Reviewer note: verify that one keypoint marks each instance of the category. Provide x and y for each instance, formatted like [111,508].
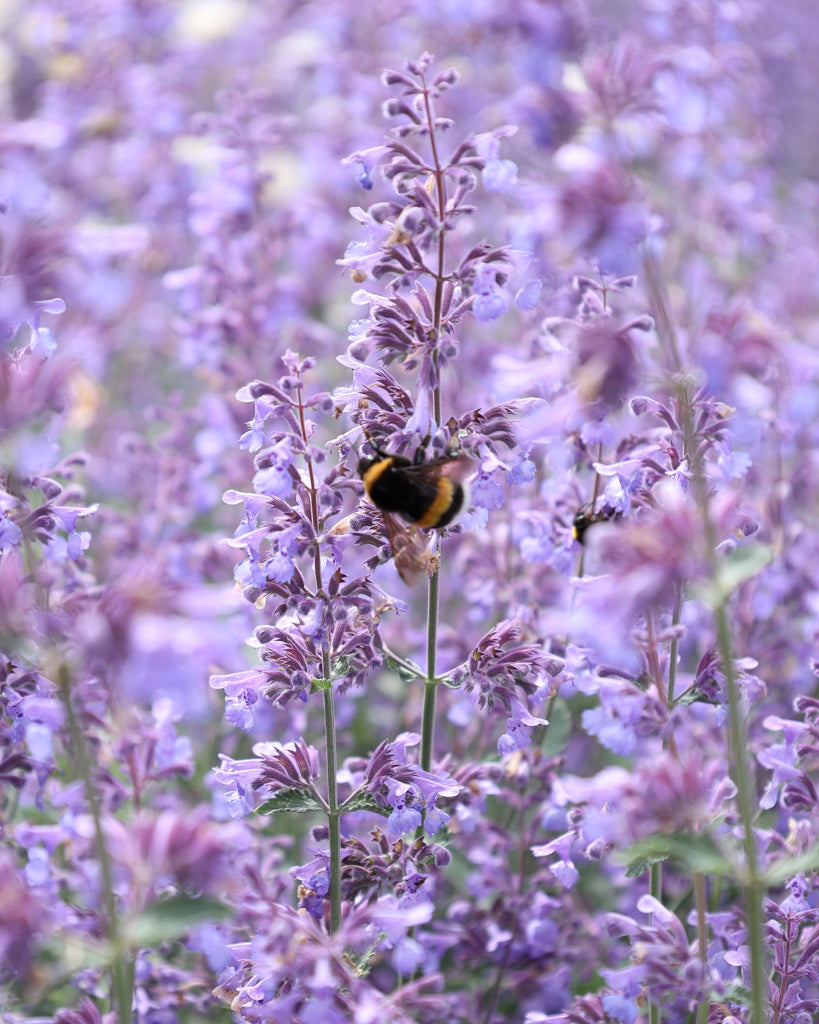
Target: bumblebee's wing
[456,467]
[409,549]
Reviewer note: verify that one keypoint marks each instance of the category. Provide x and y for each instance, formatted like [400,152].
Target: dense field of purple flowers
[247,773]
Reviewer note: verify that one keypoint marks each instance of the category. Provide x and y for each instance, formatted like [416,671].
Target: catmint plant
[325,633]
[568,776]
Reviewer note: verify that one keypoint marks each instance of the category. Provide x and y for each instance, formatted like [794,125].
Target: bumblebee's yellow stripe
[443,500]
[374,472]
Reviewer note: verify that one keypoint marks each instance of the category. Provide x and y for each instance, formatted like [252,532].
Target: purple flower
[434,818]
[489,301]
[86,1013]
[209,940]
[367,160]
[617,718]
[23,919]
[406,788]
[486,492]
[242,691]
[610,313]
[781,758]
[684,796]
[621,1008]
[606,373]
[292,765]
[185,850]
[523,472]
[517,737]
[599,215]
[528,295]
[500,175]
[563,869]
[10,533]
[239,778]
[404,817]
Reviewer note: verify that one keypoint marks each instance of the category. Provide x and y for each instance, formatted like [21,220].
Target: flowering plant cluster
[252,768]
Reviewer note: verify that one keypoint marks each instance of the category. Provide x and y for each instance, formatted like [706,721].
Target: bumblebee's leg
[421,451]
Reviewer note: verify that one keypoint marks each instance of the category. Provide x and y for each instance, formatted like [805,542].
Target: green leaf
[640,865]
[296,801]
[790,866]
[320,684]
[171,918]
[734,569]
[340,667]
[558,729]
[694,696]
[694,852]
[447,680]
[406,672]
[361,964]
[363,801]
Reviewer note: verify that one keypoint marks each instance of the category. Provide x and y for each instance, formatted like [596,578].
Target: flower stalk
[737,723]
[122,962]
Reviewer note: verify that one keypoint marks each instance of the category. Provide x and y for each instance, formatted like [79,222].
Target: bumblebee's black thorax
[416,492]
[586,517]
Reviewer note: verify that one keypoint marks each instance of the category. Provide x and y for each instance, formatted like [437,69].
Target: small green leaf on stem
[171,918]
[296,801]
[361,801]
[740,565]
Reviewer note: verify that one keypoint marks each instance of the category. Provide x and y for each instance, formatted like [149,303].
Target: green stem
[702,941]
[655,888]
[737,725]
[655,882]
[737,729]
[330,739]
[333,813]
[656,870]
[738,737]
[675,647]
[408,666]
[430,682]
[122,965]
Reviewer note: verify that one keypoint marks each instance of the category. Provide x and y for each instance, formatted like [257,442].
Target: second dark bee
[414,495]
[585,518]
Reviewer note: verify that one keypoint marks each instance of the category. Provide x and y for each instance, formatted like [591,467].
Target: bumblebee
[587,517]
[413,496]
